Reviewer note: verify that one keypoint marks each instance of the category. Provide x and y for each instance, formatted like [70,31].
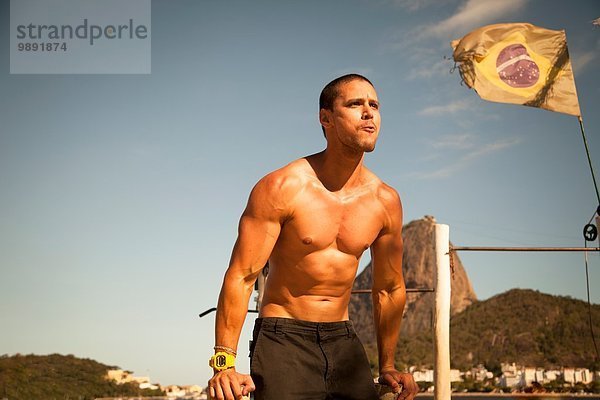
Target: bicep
[258,231]
[256,239]
[387,249]
[386,254]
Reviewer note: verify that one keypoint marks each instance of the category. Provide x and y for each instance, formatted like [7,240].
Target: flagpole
[587,151]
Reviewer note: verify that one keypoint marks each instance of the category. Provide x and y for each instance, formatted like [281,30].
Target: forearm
[232,309]
[388,306]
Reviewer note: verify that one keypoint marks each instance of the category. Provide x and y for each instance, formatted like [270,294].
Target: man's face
[355,118]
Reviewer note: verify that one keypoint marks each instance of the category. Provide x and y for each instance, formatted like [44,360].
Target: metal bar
[202,314]
[408,290]
[487,248]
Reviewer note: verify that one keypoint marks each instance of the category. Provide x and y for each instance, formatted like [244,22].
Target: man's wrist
[226,349]
[221,361]
[387,368]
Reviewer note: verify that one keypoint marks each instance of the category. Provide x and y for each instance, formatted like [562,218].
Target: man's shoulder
[285,180]
[384,192]
[274,193]
[390,202]
[388,195]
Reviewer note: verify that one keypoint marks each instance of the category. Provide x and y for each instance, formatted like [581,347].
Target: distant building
[455,375]
[173,391]
[148,385]
[479,373]
[583,375]
[192,390]
[528,376]
[120,377]
[515,376]
[509,368]
[423,376]
[426,375]
[510,380]
[569,375]
[539,376]
[551,375]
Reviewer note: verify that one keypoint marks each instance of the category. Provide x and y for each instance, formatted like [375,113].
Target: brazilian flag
[518,63]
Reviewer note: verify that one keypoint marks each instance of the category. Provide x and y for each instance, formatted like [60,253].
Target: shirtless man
[312,220]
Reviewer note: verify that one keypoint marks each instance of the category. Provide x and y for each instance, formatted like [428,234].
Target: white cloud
[581,61]
[415,5]
[424,70]
[451,108]
[472,14]
[457,141]
[467,159]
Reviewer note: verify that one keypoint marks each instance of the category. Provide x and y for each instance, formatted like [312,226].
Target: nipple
[307,240]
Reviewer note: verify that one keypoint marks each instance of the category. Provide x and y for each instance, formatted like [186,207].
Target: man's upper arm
[386,250]
[259,227]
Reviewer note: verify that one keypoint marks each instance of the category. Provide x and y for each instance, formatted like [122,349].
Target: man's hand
[229,385]
[400,382]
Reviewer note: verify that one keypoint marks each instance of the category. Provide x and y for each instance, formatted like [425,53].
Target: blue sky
[120,194]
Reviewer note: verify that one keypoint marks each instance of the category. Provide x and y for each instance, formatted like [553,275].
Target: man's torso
[315,259]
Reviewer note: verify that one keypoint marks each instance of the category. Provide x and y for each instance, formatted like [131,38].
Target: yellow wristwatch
[222,361]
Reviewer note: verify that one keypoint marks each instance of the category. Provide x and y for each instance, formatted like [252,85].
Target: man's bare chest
[348,225]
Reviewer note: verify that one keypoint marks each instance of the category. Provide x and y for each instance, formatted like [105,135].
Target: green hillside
[527,327]
[27,377]
[522,326]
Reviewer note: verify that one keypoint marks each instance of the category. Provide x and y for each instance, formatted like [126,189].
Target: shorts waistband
[276,324]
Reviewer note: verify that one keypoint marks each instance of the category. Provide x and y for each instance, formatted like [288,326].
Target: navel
[307,240]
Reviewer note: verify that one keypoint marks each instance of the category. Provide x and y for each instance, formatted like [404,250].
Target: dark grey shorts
[302,360]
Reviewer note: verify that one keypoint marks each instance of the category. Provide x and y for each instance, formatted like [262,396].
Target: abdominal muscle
[317,288]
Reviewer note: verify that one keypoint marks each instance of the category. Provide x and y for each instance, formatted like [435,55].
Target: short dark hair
[331,90]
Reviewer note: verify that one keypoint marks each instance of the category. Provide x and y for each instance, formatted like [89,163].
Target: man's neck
[337,170]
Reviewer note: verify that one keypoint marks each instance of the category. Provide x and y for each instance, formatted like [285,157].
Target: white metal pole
[260,288]
[441,320]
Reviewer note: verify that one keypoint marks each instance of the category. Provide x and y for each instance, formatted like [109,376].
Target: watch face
[220,361]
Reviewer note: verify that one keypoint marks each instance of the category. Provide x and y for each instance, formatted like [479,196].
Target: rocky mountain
[417,265]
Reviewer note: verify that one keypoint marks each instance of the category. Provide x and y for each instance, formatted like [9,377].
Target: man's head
[331,90]
[349,112]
